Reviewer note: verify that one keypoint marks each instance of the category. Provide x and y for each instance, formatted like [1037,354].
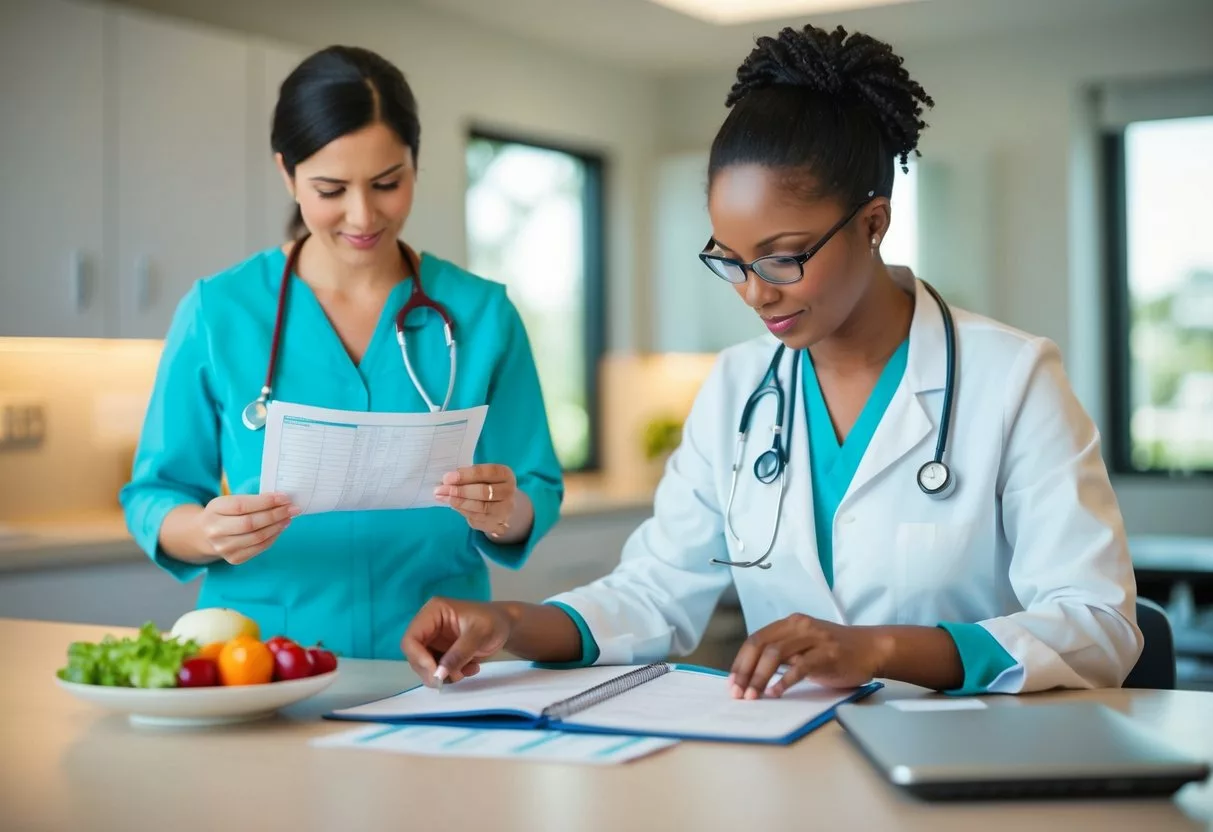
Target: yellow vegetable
[212,624]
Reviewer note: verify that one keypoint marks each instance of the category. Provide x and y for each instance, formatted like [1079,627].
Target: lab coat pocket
[933,566]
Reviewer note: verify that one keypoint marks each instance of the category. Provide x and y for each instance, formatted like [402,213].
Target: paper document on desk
[349,460]
[541,746]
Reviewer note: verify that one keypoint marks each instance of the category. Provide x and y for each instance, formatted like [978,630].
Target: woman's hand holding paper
[489,499]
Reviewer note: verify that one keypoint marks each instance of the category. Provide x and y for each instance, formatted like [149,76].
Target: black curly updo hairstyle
[834,111]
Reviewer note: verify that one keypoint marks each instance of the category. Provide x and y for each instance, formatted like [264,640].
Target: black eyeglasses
[773,268]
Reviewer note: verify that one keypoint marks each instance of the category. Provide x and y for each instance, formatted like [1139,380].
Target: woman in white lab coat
[1001,567]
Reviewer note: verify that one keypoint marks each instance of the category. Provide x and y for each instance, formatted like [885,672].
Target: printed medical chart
[538,746]
[347,460]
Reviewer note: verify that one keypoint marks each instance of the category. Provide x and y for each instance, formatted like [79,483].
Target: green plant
[661,436]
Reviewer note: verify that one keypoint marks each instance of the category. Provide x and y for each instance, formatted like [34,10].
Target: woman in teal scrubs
[345,136]
[852,563]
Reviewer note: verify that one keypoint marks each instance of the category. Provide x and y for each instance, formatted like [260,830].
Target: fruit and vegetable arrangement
[206,648]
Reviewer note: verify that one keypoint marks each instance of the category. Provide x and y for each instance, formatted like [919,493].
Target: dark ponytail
[335,92]
[838,108]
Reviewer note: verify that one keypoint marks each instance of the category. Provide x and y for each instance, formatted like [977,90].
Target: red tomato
[291,662]
[198,672]
[323,661]
[278,642]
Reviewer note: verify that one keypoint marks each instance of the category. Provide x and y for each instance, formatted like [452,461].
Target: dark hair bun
[856,69]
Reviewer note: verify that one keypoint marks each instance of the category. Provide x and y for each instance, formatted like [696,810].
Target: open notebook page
[691,704]
[506,687]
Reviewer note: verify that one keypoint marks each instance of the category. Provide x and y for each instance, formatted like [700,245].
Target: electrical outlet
[22,424]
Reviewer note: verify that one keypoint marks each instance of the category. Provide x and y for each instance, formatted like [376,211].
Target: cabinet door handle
[143,283]
[79,281]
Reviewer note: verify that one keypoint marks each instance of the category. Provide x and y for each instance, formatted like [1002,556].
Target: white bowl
[192,707]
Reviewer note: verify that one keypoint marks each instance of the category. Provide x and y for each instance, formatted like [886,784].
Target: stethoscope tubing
[254,415]
[781,446]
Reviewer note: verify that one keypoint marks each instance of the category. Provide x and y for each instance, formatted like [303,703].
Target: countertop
[80,539]
[68,765]
[100,537]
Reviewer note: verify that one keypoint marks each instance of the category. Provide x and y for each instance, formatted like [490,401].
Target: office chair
[1155,668]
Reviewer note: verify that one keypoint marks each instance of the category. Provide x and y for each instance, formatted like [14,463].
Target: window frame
[1118,315]
[594,313]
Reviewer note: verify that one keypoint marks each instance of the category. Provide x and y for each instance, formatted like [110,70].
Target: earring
[875,242]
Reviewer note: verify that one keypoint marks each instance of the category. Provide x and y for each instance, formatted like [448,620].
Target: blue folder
[679,701]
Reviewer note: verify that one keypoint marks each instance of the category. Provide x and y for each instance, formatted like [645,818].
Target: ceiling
[651,37]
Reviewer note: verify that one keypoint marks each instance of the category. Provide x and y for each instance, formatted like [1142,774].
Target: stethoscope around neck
[255,414]
[935,478]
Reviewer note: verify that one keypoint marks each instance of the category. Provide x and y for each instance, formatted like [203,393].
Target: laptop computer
[1058,750]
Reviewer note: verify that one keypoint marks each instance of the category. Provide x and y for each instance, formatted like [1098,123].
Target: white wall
[464,76]
[1009,224]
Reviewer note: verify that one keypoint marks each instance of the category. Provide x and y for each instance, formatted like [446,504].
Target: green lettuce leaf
[148,660]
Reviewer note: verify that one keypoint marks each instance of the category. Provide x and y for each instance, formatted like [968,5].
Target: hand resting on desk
[830,654]
[447,639]
[837,655]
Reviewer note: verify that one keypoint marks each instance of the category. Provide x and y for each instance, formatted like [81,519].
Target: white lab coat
[1030,544]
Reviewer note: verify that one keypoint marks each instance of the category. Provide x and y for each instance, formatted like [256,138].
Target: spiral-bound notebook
[656,700]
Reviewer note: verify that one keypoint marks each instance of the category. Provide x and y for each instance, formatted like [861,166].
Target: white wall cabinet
[270,206]
[180,186]
[51,168]
[136,161]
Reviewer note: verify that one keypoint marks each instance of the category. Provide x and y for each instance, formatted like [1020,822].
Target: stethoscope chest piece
[255,413]
[936,480]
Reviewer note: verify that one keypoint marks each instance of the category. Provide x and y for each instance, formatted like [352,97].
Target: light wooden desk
[65,765]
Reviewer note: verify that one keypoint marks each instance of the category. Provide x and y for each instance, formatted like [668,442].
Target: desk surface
[67,765]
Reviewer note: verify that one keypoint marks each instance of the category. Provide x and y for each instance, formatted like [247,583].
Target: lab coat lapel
[795,582]
[754,508]
[798,534]
[906,422]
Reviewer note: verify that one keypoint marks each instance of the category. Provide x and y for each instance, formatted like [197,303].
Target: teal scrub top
[833,467]
[352,580]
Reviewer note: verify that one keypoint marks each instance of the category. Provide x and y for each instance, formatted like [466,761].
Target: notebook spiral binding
[600,693]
